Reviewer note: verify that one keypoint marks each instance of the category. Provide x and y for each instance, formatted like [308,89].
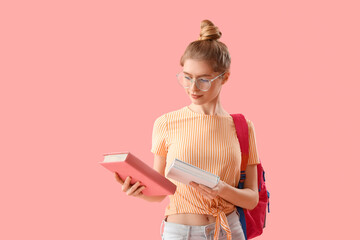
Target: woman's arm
[246,198]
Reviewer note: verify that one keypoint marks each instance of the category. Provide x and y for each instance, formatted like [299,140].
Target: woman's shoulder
[250,123]
[171,114]
[250,126]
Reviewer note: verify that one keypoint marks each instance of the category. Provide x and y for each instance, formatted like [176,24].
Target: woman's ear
[225,78]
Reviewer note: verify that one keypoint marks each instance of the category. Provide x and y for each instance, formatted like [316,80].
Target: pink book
[126,164]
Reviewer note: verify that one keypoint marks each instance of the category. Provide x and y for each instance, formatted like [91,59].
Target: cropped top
[208,142]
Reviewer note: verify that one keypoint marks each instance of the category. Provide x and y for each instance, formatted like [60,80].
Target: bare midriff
[191,219]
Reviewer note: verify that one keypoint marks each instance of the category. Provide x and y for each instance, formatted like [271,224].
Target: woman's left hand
[209,193]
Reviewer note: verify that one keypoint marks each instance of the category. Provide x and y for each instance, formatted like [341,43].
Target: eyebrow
[202,75]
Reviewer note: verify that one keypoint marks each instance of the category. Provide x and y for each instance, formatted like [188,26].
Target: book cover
[185,173]
[126,164]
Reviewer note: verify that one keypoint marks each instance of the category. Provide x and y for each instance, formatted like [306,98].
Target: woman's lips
[196,96]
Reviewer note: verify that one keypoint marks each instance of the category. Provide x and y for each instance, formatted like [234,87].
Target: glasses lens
[203,84]
[185,81]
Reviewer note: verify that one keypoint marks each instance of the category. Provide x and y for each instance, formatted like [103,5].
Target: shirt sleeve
[253,155]
[159,136]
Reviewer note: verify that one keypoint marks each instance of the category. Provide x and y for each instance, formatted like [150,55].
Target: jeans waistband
[231,217]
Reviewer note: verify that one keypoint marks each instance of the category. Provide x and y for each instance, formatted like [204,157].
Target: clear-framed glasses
[202,83]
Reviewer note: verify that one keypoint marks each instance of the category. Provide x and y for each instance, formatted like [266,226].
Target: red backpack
[252,221]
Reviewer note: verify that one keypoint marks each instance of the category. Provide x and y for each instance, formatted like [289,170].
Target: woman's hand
[209,193]
[134,190]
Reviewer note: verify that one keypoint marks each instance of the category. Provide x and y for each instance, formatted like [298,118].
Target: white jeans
[175,231]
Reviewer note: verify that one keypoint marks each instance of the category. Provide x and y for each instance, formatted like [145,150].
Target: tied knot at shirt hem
[221,219]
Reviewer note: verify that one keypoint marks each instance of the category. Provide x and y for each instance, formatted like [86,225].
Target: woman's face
[196,69]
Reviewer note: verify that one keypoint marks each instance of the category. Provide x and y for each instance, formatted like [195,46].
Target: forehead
[197,67]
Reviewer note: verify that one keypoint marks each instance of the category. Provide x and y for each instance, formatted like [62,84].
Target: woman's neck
[209,109]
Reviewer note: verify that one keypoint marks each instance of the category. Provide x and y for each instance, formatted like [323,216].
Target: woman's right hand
[134,190]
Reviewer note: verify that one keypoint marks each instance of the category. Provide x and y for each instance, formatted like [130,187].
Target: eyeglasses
[202,83]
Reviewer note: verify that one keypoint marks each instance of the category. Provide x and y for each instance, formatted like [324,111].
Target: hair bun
[209,31]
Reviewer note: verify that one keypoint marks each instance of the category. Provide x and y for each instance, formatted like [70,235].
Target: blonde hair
[208,48]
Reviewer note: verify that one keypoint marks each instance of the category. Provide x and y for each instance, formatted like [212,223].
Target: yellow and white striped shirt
[208,142]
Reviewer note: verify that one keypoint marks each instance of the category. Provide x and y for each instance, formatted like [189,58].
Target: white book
[185,173]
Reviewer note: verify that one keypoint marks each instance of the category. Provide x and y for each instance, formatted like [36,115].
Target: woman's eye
[204,80]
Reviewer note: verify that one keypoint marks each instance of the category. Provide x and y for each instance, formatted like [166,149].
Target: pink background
[82,78]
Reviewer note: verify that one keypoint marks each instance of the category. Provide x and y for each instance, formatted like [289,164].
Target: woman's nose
[193,86]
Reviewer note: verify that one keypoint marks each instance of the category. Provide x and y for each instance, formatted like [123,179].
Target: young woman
[203,134]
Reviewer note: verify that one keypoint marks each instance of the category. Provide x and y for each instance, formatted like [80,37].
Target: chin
[197,102]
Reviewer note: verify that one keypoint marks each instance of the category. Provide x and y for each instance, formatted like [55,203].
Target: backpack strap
[242,132]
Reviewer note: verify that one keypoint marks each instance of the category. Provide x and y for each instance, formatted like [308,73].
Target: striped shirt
[210,143]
